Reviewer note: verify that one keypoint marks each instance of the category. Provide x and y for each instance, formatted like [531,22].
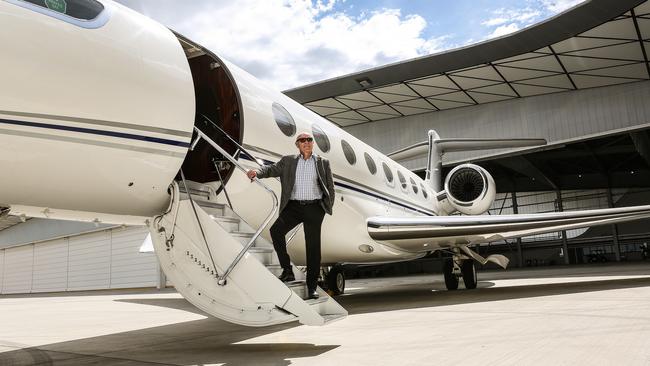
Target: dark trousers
[311,216]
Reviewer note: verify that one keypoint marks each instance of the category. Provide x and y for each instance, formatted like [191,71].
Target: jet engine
[469,189]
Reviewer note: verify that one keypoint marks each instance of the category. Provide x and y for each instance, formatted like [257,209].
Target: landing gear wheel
[468,269]
[451,281]
[336,280]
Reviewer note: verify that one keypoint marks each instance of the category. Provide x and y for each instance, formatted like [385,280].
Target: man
[307,194]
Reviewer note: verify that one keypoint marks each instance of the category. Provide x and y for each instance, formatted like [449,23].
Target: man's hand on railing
[251,174]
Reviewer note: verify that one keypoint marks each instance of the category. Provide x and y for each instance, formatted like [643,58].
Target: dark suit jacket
[285,168]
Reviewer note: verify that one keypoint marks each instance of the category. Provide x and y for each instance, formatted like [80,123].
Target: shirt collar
[312,157]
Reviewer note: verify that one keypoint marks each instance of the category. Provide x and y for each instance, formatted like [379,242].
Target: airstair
[222,266]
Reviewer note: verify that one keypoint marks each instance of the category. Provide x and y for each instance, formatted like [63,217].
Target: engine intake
[469,189]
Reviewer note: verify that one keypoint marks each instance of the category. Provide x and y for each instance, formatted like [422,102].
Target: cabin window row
[287,125]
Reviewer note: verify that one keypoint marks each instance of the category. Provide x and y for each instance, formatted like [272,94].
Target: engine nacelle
[469,189]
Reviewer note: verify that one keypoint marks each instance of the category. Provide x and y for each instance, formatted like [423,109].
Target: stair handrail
[224,133]
[222,279]
[241,148]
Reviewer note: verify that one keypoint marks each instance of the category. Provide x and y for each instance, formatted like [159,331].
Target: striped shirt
[306,187]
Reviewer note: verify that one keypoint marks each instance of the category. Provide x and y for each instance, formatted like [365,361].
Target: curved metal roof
[601,42]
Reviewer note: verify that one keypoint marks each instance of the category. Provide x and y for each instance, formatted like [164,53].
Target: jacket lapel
[292,172]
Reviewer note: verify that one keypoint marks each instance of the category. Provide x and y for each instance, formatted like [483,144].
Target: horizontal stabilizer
[411,233]
[463,144]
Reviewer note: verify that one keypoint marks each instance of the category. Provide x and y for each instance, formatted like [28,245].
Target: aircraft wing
[426,233]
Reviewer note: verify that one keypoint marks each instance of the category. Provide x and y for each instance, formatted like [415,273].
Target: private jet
[107,116]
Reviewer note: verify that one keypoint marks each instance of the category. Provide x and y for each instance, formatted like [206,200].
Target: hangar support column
[515,210]
[565,247]
[617,249]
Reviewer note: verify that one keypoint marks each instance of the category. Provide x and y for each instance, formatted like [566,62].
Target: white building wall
[89,261]
[2,263]
[51,266]
[95,261]
[129,270]
[18,270]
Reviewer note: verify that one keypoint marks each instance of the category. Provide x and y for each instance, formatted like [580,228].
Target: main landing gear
[334,279]
[459,266]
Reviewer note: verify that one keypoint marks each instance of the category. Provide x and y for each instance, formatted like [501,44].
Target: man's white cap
[304,135]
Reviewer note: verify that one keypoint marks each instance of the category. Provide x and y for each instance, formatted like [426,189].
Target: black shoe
[312,294]
[287,276]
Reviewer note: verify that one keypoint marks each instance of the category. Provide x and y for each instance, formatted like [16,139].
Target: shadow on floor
[200,342]
[213,341]
[428,295]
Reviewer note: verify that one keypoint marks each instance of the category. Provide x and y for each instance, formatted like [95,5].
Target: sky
[291,43]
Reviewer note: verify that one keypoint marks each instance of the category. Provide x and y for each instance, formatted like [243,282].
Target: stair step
[244,237]
[299,287]
[320,300]
[197,194]
[330,318]
[231,224]
[213,208]
[276,269]
[264,255]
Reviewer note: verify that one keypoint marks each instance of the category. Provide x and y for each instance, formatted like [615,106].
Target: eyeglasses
[305,139]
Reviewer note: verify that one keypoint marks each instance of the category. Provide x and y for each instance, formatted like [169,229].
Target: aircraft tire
[468,269]
[336,280]
[451,281]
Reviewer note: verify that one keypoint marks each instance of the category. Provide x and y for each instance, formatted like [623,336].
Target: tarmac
[576,315]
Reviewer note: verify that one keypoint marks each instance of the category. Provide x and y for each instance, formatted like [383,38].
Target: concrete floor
[591,315]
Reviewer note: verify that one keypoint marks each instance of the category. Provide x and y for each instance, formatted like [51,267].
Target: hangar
[579,80]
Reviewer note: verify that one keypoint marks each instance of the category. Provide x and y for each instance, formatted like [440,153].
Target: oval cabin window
[321,138]
[372,167]
[350,156]
[402,180]
[424,191]
[414,186]
[387,172]
[283,119]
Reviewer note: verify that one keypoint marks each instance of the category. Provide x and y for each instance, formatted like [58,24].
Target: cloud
[558,6]
[289,43]
[503,30]
[494,21]
[508,20]
[521,16]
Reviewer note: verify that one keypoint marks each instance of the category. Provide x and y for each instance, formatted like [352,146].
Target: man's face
[305,144]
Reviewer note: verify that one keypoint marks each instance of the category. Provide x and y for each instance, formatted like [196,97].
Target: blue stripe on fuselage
[96,132]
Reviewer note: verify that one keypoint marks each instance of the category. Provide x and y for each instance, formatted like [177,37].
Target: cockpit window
[80,9]
[89,14]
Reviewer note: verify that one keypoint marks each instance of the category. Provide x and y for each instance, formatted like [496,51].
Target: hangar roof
[598,43]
